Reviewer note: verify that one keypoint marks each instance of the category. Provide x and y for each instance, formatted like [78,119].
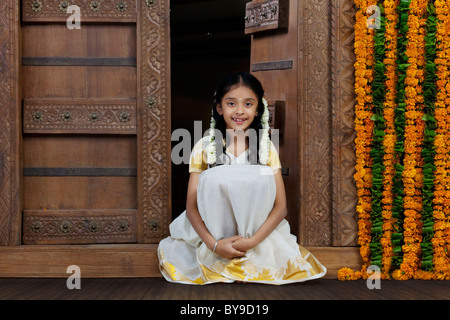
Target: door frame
[10,124]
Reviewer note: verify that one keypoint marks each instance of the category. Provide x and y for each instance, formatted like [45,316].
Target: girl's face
[238,107]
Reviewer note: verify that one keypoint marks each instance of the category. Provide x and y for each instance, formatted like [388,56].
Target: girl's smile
[238,108]
[239,121]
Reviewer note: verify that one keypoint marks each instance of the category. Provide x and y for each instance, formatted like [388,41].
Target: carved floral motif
[154,126]
[328,96]
[56,10]
[39,228]
[9,129]
[265,15]
[105,118]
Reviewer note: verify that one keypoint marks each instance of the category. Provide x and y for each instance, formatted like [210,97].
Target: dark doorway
[207,42]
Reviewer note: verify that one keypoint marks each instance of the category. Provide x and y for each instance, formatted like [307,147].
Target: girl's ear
[219,109]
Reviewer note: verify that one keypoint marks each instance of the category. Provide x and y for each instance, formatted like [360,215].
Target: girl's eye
[231,104]
[249,104]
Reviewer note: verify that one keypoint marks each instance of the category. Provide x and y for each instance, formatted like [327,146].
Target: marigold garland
[389,160]
[402,85]
[399,125]
[364,127]
[441,201]
[428,150]
[377,149]
[414,128]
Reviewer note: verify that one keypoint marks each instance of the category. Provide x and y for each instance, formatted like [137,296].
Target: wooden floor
[159,289]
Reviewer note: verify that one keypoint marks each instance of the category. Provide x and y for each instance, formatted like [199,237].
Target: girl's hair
[233,81]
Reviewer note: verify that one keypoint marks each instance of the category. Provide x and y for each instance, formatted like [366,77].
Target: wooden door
[273,53]
[303,53]
[96,122]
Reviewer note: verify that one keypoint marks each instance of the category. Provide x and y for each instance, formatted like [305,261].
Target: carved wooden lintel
[263,15]
[90,10]
[79,226]
[89,117]
[79,172]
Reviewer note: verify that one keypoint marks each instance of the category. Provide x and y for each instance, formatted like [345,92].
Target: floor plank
[159,289]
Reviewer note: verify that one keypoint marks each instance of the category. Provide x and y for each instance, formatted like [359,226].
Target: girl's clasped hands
[234,247]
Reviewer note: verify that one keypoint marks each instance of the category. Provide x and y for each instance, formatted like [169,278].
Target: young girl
[233,228]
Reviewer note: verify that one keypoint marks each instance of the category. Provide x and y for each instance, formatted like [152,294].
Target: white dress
[235,200]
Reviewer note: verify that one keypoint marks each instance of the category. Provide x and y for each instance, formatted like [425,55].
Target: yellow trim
[243,270]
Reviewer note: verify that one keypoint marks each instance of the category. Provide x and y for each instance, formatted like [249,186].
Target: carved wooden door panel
[96,126]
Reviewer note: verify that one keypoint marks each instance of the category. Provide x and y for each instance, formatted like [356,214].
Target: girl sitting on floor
[234,226]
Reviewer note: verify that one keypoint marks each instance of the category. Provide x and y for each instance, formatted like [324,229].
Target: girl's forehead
[240,92]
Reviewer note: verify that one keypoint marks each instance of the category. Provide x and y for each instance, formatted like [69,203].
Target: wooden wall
[318,146]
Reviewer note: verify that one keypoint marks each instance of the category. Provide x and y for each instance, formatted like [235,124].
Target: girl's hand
[244,244]
[225,248]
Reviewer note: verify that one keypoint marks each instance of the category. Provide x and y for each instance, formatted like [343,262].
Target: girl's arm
[224,247]
[274,218]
